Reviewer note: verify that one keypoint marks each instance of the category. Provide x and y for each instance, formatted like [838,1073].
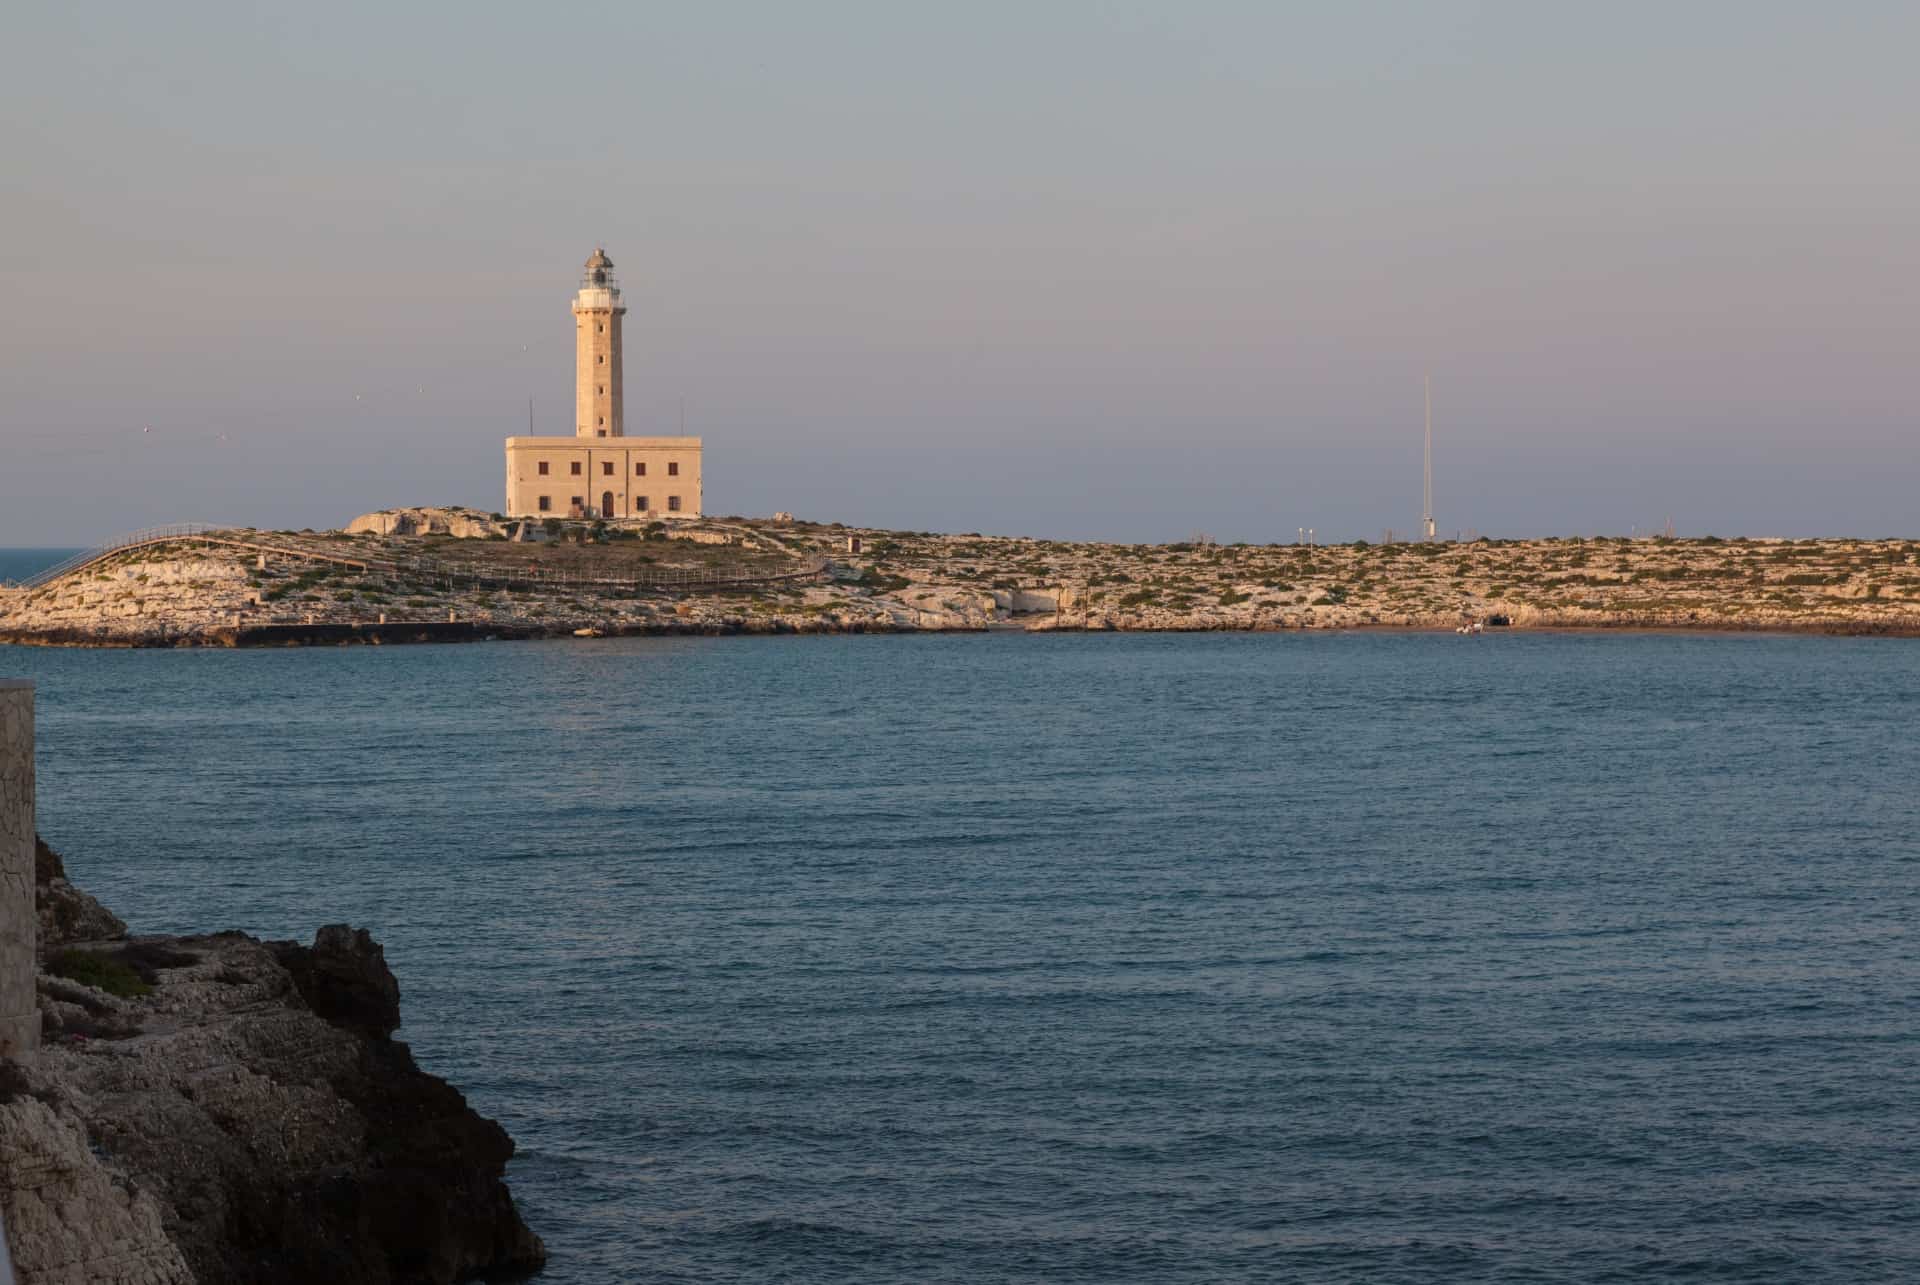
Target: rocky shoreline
[220,1109]
[447,575]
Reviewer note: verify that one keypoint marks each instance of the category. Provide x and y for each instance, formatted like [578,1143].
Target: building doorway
[606,504]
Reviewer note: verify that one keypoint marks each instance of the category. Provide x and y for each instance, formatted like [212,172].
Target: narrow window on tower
[600,420]
[543,468]
[673,504]
[673,470]
[602,359]
[599,328]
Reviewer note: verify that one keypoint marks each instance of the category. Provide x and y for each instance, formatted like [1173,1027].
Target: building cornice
[603,443]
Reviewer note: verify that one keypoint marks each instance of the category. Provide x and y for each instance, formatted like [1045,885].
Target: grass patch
[100,970]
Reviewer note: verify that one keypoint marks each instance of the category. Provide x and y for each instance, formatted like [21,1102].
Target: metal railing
[120,544]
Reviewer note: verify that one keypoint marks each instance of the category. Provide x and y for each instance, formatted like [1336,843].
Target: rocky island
[437,574]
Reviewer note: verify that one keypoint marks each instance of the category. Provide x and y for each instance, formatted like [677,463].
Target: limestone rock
[463,524]
[66,913]
[344,978]
[249,1120]
[71,1218]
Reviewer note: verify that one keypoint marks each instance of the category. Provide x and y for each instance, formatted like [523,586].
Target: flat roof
[564,443]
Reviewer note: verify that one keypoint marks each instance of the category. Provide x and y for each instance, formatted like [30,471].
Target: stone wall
[19,1007]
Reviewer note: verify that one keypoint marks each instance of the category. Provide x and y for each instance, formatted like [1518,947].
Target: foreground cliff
[221,1109]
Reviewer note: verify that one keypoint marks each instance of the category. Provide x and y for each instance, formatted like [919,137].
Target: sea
[1342,957]
[18,564]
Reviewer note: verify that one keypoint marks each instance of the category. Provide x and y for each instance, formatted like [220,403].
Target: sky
[1076,269]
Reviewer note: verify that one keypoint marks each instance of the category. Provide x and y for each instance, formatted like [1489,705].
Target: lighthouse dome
[599,269]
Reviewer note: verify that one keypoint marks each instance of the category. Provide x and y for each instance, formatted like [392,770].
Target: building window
[673,470]
[673,504]
[606,468]
[579,504]
[543,468]
[640,469]
[576,468]
[639,504]
[546,503]
[601,433]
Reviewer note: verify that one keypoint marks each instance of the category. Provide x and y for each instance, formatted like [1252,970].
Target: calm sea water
[1086,959]
[18,564]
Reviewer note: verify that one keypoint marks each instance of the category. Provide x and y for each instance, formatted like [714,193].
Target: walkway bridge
[176,533]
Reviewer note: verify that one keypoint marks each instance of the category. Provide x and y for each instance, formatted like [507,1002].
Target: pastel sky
[1074,269]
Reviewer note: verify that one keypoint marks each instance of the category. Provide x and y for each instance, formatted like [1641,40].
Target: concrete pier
[19,1009]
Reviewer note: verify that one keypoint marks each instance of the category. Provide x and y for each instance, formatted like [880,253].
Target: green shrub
[877,580]
[93,968]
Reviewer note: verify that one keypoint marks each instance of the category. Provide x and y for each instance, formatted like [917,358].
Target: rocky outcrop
[344,978]
[249,1117]
[66,913]
[462,524]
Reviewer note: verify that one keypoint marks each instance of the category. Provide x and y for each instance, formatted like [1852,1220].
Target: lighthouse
[597,311]
[591,474]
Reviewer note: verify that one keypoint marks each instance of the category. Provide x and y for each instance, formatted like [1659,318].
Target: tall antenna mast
[1426,496]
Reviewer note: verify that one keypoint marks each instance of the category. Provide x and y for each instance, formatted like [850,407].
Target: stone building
[600,471]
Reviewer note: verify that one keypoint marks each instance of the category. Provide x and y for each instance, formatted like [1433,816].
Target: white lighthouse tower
[599,404]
